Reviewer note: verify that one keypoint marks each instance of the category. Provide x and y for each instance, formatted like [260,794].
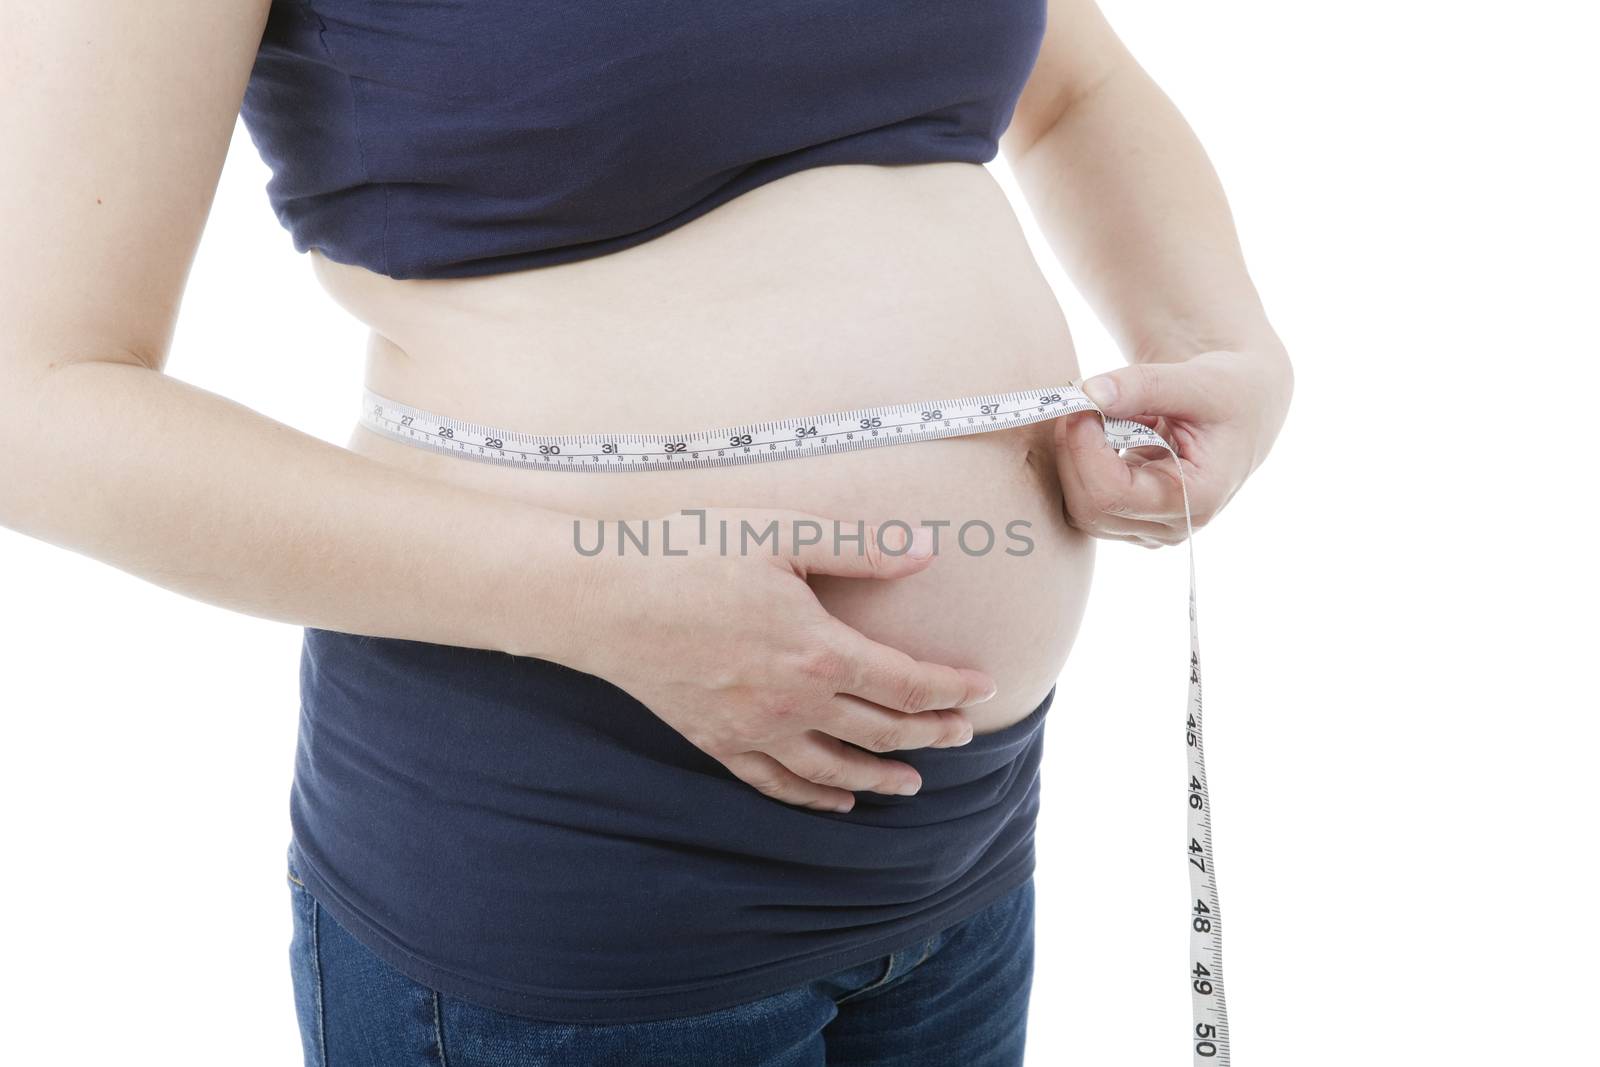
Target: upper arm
[115,117]
[1079,51]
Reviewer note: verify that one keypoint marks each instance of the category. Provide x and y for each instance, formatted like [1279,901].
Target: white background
[1397,612]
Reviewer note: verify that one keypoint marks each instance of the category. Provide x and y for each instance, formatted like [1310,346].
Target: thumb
[1179,389]
[861,550]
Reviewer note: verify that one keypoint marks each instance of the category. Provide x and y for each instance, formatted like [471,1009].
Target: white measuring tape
[872,428]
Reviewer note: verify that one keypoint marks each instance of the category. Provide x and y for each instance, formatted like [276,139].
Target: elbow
[21,375]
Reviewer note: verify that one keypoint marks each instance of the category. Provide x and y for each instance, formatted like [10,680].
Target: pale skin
[799,672]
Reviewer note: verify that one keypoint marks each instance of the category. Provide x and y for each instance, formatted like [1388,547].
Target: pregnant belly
[835,288]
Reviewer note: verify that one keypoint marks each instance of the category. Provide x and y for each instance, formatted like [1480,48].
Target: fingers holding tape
[1107,494]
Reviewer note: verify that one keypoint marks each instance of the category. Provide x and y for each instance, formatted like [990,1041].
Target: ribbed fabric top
[451,138]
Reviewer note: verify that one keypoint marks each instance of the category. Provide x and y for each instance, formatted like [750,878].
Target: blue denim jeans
[958,997]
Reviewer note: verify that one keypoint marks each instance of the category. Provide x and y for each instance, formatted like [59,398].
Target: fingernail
[844,806]
[988,694]
[893,538]
[921,543]
[964,737]
[1102,390]
[908,789]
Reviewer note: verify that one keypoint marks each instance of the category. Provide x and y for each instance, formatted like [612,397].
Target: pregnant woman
[699,801]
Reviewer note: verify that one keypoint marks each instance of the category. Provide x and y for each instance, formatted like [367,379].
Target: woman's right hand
[734,651]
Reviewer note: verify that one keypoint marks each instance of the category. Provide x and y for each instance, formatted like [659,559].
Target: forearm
[1132,207]
[208,498]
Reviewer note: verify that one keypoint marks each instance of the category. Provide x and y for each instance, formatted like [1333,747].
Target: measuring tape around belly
[873,428]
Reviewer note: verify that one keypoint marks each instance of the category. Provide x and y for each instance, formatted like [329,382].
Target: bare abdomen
[832,289]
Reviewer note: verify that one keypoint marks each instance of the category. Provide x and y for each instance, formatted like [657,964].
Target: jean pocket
[305,966]
[291,863]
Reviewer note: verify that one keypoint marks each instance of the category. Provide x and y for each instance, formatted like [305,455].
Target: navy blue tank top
[531,838]
[451,138]
[502,828]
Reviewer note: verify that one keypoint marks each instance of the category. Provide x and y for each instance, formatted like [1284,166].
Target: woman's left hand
[1221,410]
